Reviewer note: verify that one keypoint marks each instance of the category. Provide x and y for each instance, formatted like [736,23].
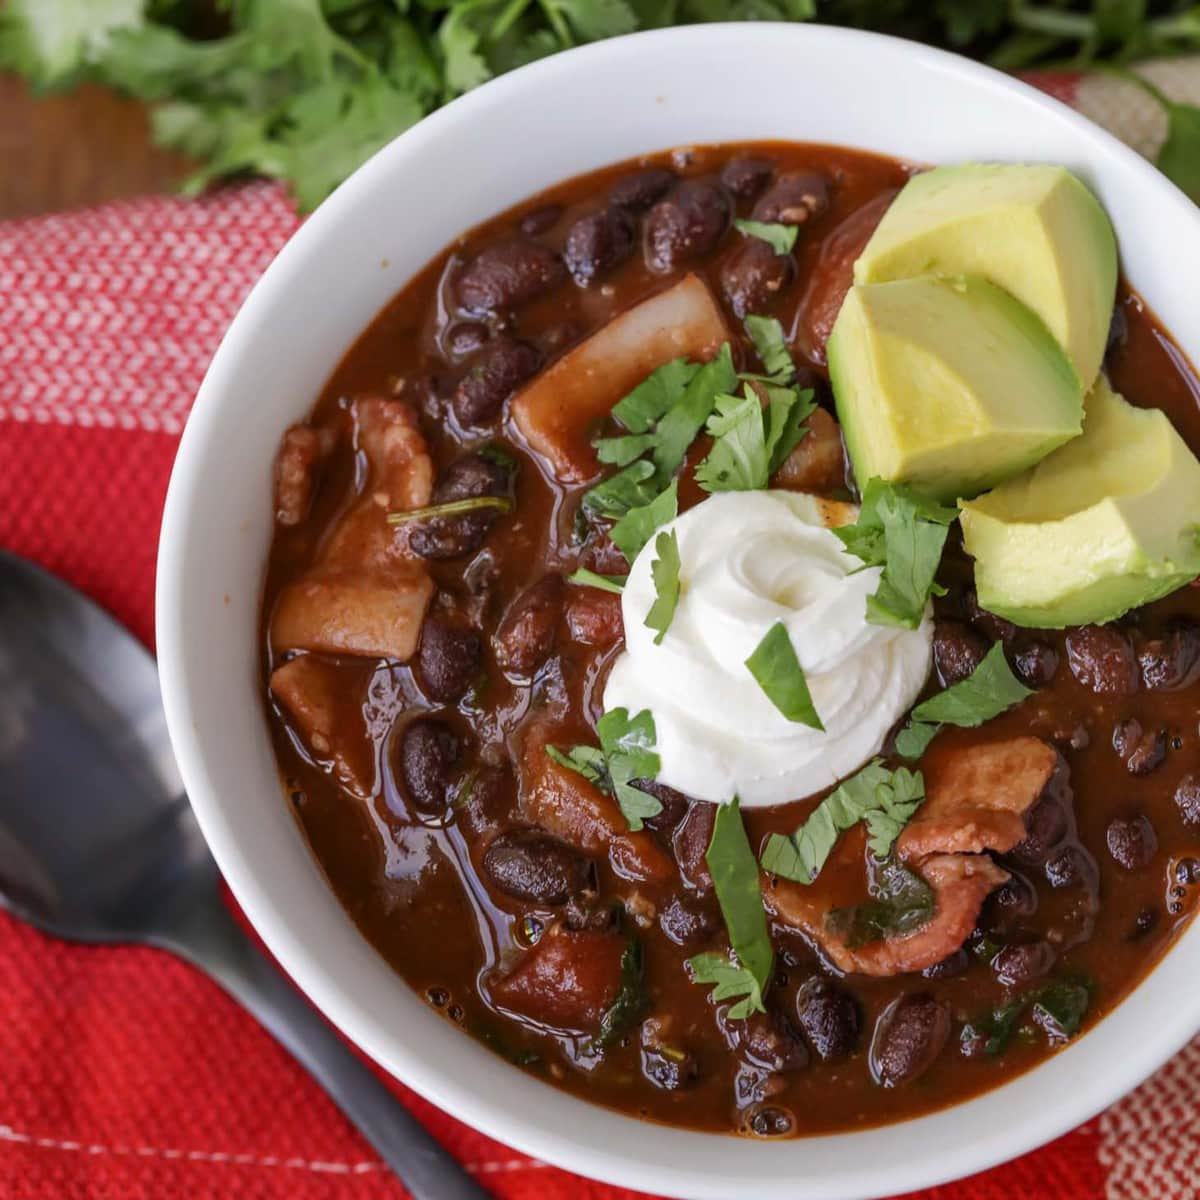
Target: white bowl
[527,130]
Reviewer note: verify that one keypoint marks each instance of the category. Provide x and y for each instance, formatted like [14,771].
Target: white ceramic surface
[484,152]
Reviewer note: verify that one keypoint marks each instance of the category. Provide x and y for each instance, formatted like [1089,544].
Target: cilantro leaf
[606,583]
[735,880]
[621,451]
[749,441]
[771,346]
[628,489]
[1179,158]
[988,691]
[781,238]
[733,982]
[646,405]
[893,795]
[665,572]
[50,44]
[1059,1009]
[777,671]
[630,1001]
[913,740]
[626,753]
[901,901]
[902,531]
[637,526]
[684,420]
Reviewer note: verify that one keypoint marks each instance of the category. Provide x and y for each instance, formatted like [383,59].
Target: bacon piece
[568,979]
[977,798]
[311,692]
[816,464]
[558,412]
[568,805]
[367,594]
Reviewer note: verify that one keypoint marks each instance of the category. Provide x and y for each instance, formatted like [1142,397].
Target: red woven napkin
[126,1074]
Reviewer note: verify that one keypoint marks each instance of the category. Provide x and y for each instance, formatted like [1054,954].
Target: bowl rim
[1071,1105]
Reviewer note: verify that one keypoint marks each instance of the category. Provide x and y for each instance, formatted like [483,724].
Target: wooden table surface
[70,151]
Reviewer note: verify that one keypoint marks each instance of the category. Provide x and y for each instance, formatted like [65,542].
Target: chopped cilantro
[630,1001]
[913,740]
[885,799]
[746,972]
[626,753]
[903,532]
[781,238]
[606,583]
[1058,1007]
[777,671]
[637,526]
[665,572]
[621,451]
[646,405]
[770,344]
[628,488]
[684,420]
[901,901]
[749,442]
[988,691]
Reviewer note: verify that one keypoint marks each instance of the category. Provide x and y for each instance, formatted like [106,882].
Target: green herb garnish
[683,421]
[777,671]
[451,508]
[646,405]
[903,532]
[626,753]
[770,344]
[885,799]
[637,526]
[621,451]
[616,495]
[745,974]
[606,583]
[627,1007]
[665,572]
[781,238]
[1059,1008]
[901,901]
[749,442]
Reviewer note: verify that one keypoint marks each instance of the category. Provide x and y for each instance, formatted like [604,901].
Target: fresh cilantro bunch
[306,90]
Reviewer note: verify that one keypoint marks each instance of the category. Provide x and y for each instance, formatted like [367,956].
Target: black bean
[585,910]
[690,843]
[794,199]
[767,1041]
[447,659]
[451,537]
[828,1016]
[687,224]
[1014,900]
[1172,661]
[957,651]
[674,805]
[465,338]
[484,799]
[753,275]
[497,371]
[429,753]
[994,627]
[507,274]
[688,923]
[529,629]
[746,175]
[771,1122]
[909,1035]
[638,192]
[950,967]
[1072,866]
[1046,824]
[1144,923]
[530,864]
[1101,659]
[1131,841]
[1187,799]
[1035,663]
[597,243]
[540,219]
[1018,965]
[1142,750]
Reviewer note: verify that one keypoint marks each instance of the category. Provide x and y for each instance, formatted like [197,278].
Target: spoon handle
[210,939]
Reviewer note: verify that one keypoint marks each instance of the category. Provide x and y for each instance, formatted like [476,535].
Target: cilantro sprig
[988,691]
[886,800]
[744,974]
[626,752]
[781,238]
[664,570]
[770,344]
[606,583]
[903,532]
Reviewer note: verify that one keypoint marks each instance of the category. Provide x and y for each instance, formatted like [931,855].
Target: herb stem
[451,508]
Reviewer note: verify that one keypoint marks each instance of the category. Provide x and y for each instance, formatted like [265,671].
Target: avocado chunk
[948,384]
[1103,525]
[1035,231]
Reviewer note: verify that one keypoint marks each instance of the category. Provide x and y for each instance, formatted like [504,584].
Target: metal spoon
[98,843]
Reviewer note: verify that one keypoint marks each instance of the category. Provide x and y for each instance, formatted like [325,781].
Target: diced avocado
[1108,522]
[1035,231]
[948,384]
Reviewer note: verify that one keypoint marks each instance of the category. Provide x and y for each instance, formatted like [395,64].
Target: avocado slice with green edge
[1035,231]
[948,384]
[1105,524]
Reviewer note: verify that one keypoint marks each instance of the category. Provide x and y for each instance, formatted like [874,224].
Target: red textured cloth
[123,1073]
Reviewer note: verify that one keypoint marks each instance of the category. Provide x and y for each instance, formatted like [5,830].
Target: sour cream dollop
[748,560]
